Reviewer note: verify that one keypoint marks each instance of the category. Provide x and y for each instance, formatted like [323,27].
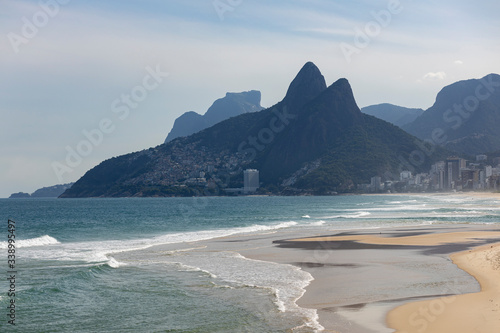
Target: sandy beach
[371,273]
[476,312]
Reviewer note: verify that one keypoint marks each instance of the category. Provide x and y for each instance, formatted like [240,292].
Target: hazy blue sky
[64,66]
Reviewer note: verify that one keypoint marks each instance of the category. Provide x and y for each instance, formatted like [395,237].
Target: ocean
[90,265]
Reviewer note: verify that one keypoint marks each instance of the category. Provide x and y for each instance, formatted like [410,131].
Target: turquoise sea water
[68,279]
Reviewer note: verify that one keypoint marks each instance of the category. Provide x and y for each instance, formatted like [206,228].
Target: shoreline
[361,276]
[475,194]
[475,312]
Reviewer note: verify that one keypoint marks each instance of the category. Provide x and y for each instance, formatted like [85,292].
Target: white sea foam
[286,282]
[400,202]
[355,215]
[187,268]
[99,251]
[172,252]
[397,208]
[31,242]
[113,263]
[453,199]
[306,216]
[317,223]
[209,234]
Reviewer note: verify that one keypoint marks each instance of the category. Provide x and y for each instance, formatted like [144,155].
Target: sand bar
[417,240]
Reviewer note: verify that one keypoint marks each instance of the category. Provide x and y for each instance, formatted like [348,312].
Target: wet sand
[359,277]
[476,312]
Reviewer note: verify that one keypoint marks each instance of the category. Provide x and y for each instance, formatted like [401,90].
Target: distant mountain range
[316,140]
[393,114]
[45,192]
[465,117]
[233,104]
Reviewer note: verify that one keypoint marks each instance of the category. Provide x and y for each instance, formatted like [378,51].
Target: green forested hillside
[316,139]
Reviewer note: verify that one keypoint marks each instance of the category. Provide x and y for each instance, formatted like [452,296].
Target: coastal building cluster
[453,174]
[190,165]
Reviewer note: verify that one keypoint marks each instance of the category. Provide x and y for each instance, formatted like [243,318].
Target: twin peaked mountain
[316,140]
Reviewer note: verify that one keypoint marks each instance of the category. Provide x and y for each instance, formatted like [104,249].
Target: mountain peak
[233,104]
[339,105]
[316,140]
[342,85]
[340,93]
[306,86]
[466,114]
[252,96]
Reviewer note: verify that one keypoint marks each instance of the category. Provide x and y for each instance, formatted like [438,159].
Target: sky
[84,81]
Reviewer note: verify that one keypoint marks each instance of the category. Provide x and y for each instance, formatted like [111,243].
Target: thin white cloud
[434,76]
[458,62]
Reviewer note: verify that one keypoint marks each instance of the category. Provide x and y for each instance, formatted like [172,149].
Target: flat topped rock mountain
[233,104]
[316,140]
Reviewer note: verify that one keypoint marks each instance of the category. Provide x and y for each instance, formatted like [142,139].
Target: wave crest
[113,263]
[32,242]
